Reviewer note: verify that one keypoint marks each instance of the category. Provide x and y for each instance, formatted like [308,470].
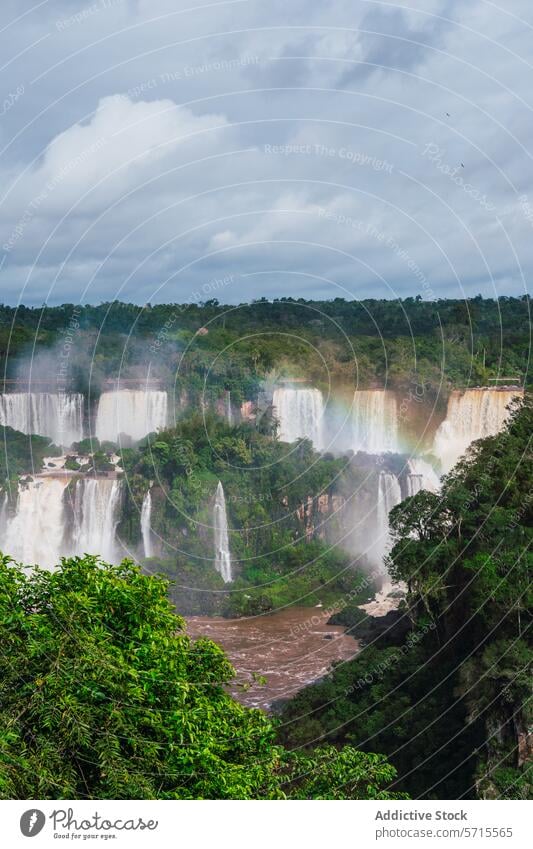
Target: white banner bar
[265,825]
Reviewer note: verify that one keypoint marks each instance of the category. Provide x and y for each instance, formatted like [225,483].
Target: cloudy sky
[166,150]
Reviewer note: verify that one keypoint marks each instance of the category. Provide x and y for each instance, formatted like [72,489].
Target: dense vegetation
[279,548]
[433,344]
[103,696]
[451,704]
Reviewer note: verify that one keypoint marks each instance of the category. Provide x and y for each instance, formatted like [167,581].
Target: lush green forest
[434,344]
[450,702]
[103,696]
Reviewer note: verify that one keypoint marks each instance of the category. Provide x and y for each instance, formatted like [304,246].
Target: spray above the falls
[133,412]
[146,528]
[57,415]
[473,414]
[300,413]
[220,522]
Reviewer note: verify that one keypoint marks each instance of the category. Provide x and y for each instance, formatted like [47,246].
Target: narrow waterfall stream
[146,520]
[374,421]
[220,521]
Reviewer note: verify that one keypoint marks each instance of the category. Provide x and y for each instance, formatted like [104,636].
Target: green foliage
[103,696]
[451,704]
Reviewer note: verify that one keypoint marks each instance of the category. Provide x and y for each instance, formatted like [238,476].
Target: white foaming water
[57,415]
[471,415]
[229,411]
[389,495]
[220,521]
[97,504]
[36,533]
[374,422]
[301,414]
[146,519]
[421,475]
[3,514]
[134,412]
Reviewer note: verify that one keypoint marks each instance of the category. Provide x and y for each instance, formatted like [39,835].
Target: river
[290,649]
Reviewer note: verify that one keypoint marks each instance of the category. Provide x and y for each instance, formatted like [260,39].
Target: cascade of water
[220,521]
[300,413]
[146,529]
[97,504]
[57,415]
[471,415]
[3,515]
[389,495]
[133,412]
[229,411]
[374,421]
[36,533]
[421,475]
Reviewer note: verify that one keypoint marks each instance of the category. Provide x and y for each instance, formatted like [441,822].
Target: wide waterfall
[389,495]
[146,528]
[374,421]
[133,412]
[36,533]
[220,521]
[421,475]
[300,413]
[43,529]
[97,504]
[57,415]
[471,415]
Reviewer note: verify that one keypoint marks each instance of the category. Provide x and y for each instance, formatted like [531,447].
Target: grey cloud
[246,198]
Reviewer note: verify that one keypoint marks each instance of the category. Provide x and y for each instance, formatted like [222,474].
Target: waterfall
[300,413]
[389,495]
[146,518]
[374,421]
[39,531]
[229,411]
[471,415]
[421,475]
[97,504]
[133,412]
[222,552]
[57,415]
[36,533]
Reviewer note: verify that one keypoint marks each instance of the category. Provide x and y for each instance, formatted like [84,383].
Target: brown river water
[290,649]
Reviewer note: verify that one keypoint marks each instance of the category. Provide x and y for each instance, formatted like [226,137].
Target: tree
[104,696]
